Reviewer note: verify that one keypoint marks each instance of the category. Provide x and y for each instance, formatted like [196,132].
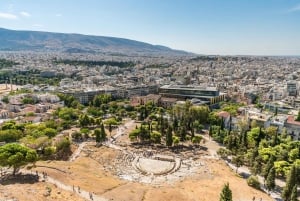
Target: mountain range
[13,40]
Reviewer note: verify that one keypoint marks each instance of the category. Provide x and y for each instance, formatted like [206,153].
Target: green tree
[97,133]
[223,153]
[5,99]
[63,145]
[10,135]
[77,136]
[103,133]
[238,161]
[210,132]
[68,114]
[196,139]
[15,156]
[169,137]
[298,116]
[175,140]
[270,182]
[290,183]
[50,132]
[294,196]
[84,120]
[155,137]
[253,182]
[226,194]
[268,167]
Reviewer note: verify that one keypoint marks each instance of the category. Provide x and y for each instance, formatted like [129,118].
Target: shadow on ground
[9,179]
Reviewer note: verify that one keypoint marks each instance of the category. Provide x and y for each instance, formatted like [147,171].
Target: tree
[155,137]
[196,139]
[175,140]
[5,99]
[223,153]
[100,134]
[210,132]
[10,135]
[169,137]
[298,116]
[290,183]
[15,155]
[50,132]
[97,133]
[226,194]
[84,120]
[253,182]
[238,161]
[294,194]
[270,183]
[268,167]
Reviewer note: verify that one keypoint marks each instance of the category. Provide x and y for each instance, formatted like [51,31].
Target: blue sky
[247,27]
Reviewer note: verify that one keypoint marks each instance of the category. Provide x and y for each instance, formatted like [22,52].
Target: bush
[63,144]
[155,137]
[253,182]
[48,151]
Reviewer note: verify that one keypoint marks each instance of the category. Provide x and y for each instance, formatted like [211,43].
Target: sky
[223,27]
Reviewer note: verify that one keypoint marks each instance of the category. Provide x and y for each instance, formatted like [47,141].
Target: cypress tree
[268,167]
[97,133]
[103,133]
[210,132]
[270,184]
[169,137]
[290,183]
[294,194]
[226,194]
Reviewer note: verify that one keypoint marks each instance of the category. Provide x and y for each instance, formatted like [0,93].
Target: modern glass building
[208,94]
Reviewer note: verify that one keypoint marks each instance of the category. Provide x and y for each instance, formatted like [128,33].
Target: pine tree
[294,194]
[290,183]
[270,184]
[226,194]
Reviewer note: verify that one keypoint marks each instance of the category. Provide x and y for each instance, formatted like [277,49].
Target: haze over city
[205,27]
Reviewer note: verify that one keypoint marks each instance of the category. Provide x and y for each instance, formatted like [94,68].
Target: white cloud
[295,8]
[58,15]
[8,16]
[25,14]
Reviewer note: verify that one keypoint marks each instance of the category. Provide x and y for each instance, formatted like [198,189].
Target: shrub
[253,182]
[48,151]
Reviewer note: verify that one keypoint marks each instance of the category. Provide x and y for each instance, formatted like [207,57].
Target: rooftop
[189,87]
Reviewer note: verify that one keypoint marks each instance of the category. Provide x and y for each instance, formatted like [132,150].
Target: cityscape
[90,117]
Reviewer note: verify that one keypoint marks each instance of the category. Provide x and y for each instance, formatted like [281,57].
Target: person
[78,189]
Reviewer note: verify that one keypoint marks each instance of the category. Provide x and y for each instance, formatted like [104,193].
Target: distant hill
[11,40]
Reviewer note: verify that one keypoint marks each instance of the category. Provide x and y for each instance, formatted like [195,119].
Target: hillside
[12,40]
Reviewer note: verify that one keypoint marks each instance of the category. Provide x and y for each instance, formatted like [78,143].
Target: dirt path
[82,193]
[77,152]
